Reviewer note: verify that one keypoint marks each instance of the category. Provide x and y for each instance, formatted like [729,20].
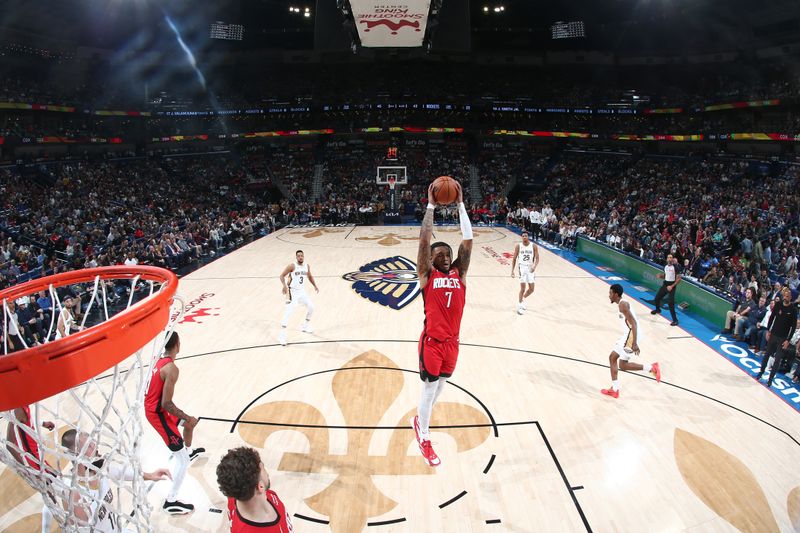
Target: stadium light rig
[496,9]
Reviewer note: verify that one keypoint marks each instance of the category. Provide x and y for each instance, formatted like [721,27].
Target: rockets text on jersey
[444,297]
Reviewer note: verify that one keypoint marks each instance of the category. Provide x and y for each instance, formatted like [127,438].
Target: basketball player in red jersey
[27,451]
[252,506]
[165,417]
[443,283]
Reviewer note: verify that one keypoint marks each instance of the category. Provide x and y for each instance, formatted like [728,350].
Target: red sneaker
[610,392]
[428,454]
[415,424]
[656,371]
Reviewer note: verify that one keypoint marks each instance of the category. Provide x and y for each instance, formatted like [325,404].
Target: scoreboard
[226,31]
[568,30]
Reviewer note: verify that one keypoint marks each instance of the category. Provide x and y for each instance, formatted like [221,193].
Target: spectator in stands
[14,329]
[30,320]
[793,282]
[735,321]
[754,318]
[791,354]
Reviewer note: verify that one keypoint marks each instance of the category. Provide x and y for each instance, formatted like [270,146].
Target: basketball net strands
[93,381]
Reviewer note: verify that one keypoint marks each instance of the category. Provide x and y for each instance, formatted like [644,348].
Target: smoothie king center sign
[391,24]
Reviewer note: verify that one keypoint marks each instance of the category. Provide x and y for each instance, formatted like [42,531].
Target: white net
[79,448]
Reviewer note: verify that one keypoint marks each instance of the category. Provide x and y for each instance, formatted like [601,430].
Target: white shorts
[298,297]
[525,274]
[623,347]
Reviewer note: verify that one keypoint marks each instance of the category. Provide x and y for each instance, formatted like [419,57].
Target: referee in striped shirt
[671,276]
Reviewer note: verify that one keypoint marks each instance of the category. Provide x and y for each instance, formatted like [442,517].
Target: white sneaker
[524,306]
[307,328]
[282,337]
[519,309]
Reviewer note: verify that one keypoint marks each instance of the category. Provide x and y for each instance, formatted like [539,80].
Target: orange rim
[37,373]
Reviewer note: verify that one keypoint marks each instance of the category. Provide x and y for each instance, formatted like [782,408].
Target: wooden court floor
[527,441]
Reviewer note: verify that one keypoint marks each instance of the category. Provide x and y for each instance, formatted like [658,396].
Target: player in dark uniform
[443,291]
[165,417]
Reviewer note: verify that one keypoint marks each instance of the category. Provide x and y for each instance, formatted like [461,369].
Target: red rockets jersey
[240,524]
[444,297]
[152,400]
[27,443]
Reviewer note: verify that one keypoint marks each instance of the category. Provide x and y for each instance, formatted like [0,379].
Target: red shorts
[166,425]
[437,358]
[30,452]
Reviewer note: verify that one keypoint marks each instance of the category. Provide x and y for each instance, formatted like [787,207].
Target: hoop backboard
[384,173]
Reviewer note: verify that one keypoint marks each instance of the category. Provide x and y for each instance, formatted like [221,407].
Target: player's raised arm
[465,248]
[425,233]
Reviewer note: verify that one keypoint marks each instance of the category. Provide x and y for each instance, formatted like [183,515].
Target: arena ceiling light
[306,11]
[496,9]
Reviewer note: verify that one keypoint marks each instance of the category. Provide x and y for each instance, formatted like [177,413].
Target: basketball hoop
[392,182]
[59,380]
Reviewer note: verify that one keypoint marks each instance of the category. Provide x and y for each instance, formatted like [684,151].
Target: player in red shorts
[165,417]
[252,507]
[444,292]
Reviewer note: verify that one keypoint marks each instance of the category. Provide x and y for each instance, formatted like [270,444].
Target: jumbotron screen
[226,31]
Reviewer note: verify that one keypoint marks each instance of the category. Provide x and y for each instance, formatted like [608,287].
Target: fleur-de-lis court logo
[364,388]
[392,282]
[316,232]
[476,232]
[388,239]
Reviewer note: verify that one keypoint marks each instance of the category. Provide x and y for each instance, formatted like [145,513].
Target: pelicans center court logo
[391,282]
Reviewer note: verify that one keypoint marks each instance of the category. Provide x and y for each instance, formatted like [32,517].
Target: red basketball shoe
[656,371]
[428,454]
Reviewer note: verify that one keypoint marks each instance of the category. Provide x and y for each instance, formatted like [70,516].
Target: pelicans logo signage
[391,282]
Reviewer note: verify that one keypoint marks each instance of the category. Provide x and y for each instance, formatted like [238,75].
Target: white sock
[439,388]
[647,367]
[615,384]
[181,460]
[426,408]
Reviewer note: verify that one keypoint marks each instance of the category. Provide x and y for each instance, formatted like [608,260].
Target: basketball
[445,190]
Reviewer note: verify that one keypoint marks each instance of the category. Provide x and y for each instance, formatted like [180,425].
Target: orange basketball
[445,190]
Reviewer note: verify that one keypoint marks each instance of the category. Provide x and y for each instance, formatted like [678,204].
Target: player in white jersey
[86,473]
[626,345]
[295,291]
[528,254]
